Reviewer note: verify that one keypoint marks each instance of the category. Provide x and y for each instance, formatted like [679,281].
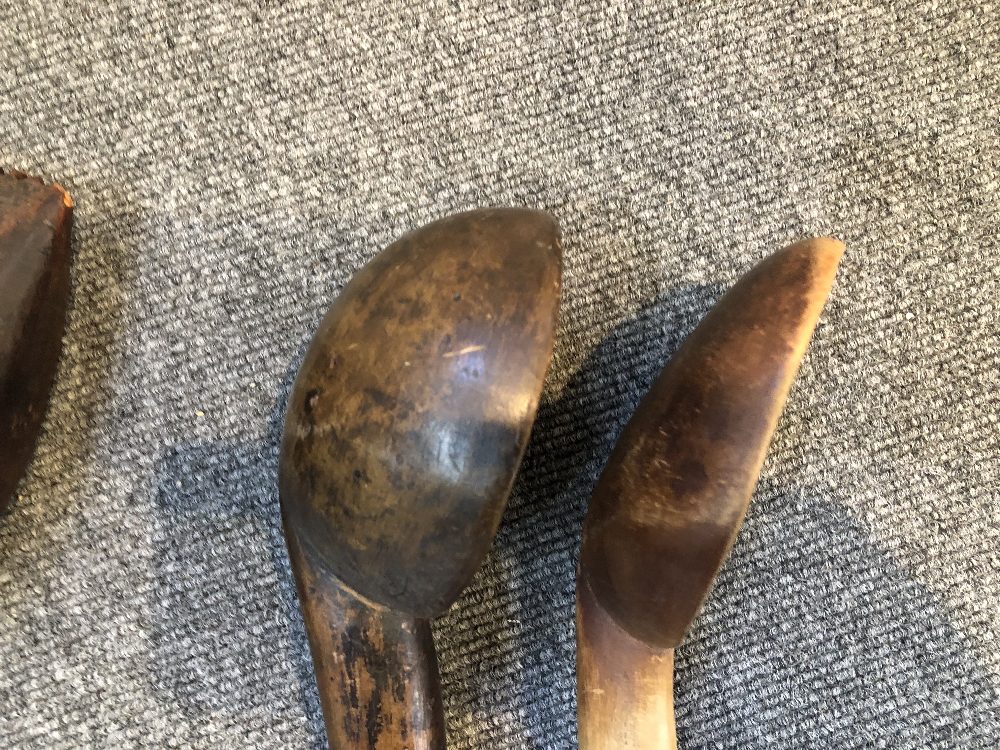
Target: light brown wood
[626,687]
[673,495]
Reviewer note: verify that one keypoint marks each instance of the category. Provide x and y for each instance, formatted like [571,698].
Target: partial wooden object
[625,697]
[35,222]
[377,670]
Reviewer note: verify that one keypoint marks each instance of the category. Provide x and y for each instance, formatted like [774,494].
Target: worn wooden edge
[67,199]
[654,537]
[376,670]
[625,688]
[495,252]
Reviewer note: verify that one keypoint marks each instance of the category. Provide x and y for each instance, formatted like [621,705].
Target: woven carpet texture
[234,163]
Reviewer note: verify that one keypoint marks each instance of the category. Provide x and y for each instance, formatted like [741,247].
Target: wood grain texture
[672,497]
[674,492]
[405,428]
[35,225]
[376,668]
[626,687]
[414,404]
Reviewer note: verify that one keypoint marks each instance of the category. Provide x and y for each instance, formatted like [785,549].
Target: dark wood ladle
[405,428]
[35,222]
[674,492]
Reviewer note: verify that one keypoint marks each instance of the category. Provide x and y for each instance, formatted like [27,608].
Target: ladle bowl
[404,431]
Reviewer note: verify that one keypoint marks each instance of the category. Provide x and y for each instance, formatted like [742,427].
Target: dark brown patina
[404,431]
[35,221]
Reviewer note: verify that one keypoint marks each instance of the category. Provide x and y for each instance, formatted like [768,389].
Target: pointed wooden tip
[829,248]
[825,254]
[66,197]
[820,258]
[35,226]
[26,199]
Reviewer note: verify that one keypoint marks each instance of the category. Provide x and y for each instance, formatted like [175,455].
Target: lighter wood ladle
[406,425]
[673,495]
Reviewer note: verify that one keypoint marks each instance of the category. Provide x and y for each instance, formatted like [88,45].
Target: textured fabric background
[234,163]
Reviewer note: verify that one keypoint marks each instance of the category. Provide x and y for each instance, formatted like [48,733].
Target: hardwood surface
[376,669]
[672,497]
[405,427]
[626,694]
[35,223]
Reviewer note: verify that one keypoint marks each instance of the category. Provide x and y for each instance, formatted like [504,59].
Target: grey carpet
[234,163]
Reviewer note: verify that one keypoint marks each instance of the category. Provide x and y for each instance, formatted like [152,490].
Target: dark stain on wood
[376,670]
[404,430]
[35,225]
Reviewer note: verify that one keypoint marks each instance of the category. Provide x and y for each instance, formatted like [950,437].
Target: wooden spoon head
[35,221]
[673,494]
[413,406]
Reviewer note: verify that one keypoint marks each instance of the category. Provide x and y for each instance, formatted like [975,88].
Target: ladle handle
[376,670]
[625,688]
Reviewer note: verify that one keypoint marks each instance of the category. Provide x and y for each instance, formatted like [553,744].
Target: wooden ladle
[405,428]
[35,221]
[673,495]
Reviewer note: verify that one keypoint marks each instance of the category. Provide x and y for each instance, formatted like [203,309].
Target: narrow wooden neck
[376,669]
[625,688]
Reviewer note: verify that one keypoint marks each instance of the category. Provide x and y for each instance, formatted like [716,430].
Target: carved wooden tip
[35,224]
[829,249]
[822,255]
